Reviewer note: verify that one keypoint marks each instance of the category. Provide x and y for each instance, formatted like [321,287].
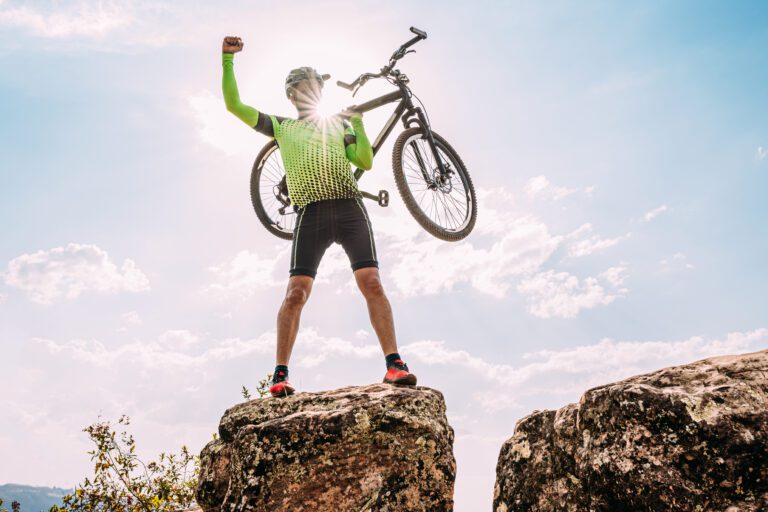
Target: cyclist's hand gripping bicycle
[430,175]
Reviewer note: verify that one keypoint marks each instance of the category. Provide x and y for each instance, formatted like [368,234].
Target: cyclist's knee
[371,286]
[296,296]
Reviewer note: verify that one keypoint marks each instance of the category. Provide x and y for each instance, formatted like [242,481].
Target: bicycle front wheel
[444,206]
[269,193]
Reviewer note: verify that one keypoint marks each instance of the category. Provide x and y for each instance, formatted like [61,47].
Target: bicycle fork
[445,174]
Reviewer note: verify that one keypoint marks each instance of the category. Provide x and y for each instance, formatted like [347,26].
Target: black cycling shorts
[320,223]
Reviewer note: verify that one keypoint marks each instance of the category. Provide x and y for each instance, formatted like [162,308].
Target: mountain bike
[430,175]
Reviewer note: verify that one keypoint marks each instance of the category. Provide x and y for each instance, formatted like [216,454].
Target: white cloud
[593,244]
[519,244]
[761,153]
[652,214]
[524,247]
[172,350]
[610,360]
[546,371]
[182,350]
[433,352]
[615,275]
[219,128]
[28,414]
[89,19]
[581,230]
[247,273]
[131,317]
[539,187]
[48,275]
[589,365]
[322,348]
[560,294]
[3,297]
[178,339]
[678,260]
[505,246]
[101,25]
[493,401]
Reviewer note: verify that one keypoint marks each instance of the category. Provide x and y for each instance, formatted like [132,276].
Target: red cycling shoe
[282,388]
[398,374]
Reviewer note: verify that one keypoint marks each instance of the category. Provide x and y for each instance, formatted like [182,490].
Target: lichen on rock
[686,438]
[369,448]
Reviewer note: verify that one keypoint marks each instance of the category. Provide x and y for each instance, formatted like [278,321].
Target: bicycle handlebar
[420,34]
[344,85]
[399,54]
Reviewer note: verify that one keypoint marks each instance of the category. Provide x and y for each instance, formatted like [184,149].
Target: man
[316,153]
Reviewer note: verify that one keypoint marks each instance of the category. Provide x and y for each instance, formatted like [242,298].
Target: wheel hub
[444,185]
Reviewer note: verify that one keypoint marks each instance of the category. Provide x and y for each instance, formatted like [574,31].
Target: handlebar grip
[419,33]
[348,111]
[344,85]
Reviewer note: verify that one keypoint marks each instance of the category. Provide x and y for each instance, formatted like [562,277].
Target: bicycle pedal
[383,198]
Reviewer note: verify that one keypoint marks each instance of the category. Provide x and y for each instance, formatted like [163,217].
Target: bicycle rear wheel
[446,208]
[269,193]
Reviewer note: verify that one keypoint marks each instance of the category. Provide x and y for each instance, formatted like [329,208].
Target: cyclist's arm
[359,150]
[245,113]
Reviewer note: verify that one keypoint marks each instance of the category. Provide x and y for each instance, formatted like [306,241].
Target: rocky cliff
[370,448]
[687,438]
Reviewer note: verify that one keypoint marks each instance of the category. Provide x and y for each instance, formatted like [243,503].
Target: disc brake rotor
[444,185]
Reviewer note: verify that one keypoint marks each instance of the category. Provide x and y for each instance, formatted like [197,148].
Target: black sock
[281,374]
[390,358]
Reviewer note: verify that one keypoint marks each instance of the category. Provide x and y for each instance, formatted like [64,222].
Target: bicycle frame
[410,114]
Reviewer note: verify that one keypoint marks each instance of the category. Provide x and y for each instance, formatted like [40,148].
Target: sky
[619,152]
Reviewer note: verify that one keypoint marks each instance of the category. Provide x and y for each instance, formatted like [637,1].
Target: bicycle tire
[272,225]
[413,204]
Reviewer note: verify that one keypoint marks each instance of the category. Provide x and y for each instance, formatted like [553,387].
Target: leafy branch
[124,483]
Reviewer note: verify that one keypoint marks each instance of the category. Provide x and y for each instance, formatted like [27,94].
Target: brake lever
[400,53]
[361,83]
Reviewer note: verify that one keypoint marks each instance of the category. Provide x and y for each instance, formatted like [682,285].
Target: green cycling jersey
[316,152]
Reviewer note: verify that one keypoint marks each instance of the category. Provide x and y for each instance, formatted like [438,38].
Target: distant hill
[32,499]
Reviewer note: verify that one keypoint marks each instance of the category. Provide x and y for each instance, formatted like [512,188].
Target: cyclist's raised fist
[232,44]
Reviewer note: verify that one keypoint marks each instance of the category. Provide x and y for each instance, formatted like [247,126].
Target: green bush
[15,506]
[121,482]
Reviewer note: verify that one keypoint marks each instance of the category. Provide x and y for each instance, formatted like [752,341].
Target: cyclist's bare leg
[379,309]
[288,317]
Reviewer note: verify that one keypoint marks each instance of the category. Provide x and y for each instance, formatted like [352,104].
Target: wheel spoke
[447,206]
[450,211]
[446,213]
[417,168]
[459,209]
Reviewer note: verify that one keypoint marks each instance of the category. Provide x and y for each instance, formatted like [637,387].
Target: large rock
[371,448]
[687,438]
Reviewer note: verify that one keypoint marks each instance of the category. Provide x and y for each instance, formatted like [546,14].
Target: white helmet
[303,73]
